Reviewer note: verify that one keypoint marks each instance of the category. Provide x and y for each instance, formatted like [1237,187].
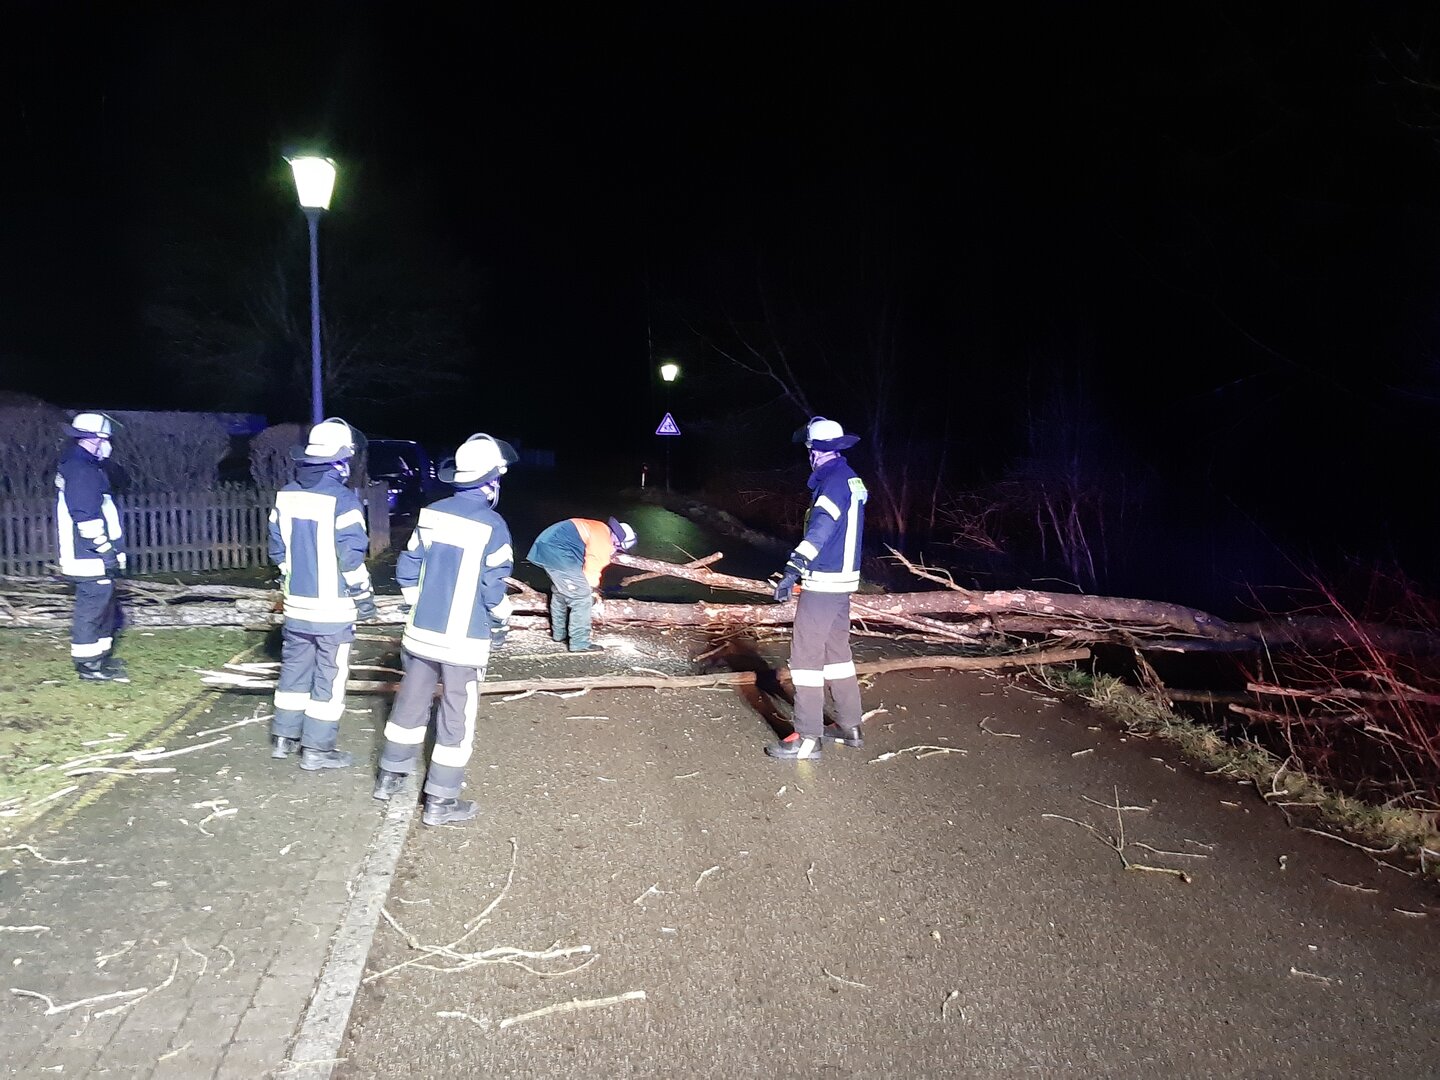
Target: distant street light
[314,182]
[669,372]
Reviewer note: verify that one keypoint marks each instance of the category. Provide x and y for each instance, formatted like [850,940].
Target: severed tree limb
[228,681]
[653,574]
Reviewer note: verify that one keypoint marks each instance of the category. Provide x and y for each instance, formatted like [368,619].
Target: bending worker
[452,574]
[826,565]
[574,552]
[92,547]
[318,539]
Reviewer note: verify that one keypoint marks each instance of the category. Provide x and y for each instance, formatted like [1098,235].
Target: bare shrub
[1361,717]
[170,451]
[271,466]
[32,437]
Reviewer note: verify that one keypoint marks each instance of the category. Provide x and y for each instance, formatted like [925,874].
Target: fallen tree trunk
[248,682]
[963,614]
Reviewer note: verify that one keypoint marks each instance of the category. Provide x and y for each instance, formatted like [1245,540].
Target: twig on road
[1352,888]
[1117,843]
[919,752]
[847,982]
[481,1022]
[1311,975]
[1002,734]
[24,929]
[574,1005]
[42,858]
[703,875]
[951,996]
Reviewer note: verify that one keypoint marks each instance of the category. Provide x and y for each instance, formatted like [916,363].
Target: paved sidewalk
[216,888]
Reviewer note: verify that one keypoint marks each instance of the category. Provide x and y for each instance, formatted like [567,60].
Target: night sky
[1217,229]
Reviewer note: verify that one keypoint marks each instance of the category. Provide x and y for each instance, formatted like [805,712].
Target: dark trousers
[92,631]
[454,723]
[310,693]
[820,657]
[570,606]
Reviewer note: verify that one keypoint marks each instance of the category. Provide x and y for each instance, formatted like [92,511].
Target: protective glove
[122,562]
[111,561]
[790,576]
[497,636]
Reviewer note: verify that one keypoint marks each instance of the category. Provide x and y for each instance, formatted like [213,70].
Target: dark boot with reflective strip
[281,747]
[387,784]
[448,811]
[796,747]
[314,760]
[845,736]
[98,671]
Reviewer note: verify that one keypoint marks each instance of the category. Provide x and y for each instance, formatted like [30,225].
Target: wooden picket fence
[223,529]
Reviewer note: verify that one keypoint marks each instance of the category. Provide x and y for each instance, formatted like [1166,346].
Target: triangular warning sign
[667,426]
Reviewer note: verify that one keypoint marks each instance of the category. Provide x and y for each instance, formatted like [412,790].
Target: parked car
[408,471]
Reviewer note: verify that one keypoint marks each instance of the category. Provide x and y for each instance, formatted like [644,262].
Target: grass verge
[1388,830]
[47,715]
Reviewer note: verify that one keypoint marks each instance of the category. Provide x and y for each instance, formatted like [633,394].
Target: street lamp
[669,371]
[314,182]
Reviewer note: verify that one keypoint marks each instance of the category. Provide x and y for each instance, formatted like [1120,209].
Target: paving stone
[154,880]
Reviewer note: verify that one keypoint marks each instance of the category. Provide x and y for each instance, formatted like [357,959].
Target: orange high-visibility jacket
[575,542]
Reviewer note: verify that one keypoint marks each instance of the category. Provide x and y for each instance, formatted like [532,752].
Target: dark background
[1208,229]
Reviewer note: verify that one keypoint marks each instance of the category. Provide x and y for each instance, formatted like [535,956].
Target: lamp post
[314,182]
[669,372]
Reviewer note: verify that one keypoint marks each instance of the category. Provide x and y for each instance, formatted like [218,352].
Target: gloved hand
[365,606]
[785,587]
[111,559]
[122,562]
[497,636]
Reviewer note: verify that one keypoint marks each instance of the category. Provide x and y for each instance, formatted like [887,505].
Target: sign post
[667,427]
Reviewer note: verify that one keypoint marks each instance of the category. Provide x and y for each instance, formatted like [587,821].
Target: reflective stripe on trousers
[310,692]
[820,657]
[454,723]
[92,627]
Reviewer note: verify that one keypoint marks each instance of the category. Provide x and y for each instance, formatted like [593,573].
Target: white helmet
[90,425]
[623,533]
[480,459]
[825,435]
[331,440]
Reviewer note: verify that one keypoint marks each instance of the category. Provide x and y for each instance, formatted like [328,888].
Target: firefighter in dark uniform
[826,566]
[318,539]
[452,574]
[91,546]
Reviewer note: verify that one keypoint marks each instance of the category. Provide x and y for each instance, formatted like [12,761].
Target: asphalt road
[906,917]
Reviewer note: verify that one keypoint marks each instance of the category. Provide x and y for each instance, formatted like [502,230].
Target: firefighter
[91,545]
[452,574]
[318,539]
[574,552]
[826,566]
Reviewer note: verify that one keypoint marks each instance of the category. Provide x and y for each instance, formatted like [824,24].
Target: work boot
[281,747]
[312,760]
[115,667]
[796,747]
[448,811]
[591,648]
[845,736]
[387,784]
[96,671]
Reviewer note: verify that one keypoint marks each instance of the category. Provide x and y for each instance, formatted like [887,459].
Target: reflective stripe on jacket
[87,520]
[452,573]
[318,539]
[834,529]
